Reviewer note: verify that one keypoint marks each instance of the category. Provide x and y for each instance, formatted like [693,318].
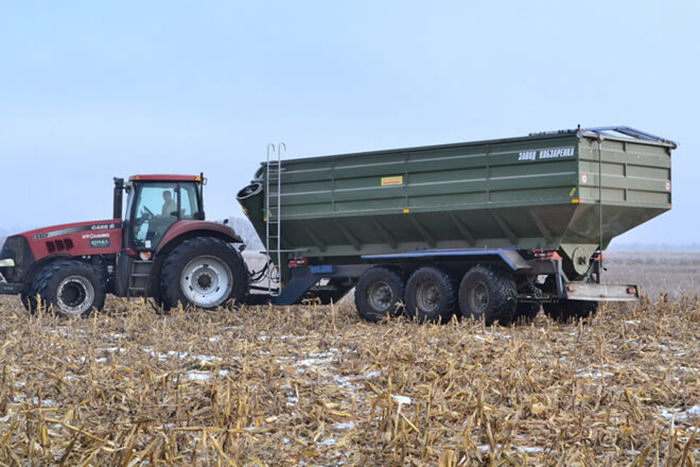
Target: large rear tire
[69,288]
[203,272]
[379,294]
[430,295]
[489,295]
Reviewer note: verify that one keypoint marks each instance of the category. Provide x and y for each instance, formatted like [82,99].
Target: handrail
[629,132]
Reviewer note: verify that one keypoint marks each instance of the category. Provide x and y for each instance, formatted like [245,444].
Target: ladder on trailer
[273,213]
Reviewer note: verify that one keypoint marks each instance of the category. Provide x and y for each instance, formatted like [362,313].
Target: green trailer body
[541,191]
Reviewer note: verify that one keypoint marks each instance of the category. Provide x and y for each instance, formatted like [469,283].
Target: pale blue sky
[91,90]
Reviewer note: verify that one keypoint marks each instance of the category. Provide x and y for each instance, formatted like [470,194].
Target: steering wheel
[148,213]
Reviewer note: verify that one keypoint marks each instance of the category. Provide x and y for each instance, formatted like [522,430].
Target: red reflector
[632,290]
[298,262]
[546,254]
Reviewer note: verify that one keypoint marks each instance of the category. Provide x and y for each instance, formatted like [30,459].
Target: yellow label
[406,210]
[390,181]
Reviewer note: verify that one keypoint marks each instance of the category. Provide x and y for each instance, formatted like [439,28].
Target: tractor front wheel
[66,287]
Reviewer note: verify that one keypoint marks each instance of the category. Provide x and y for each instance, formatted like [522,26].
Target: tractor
[159,247]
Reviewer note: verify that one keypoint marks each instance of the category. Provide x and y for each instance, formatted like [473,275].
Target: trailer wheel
[69,287]
[379,293]
[526,312]
[564,311]
[430,295]
[488,295]
[203,272]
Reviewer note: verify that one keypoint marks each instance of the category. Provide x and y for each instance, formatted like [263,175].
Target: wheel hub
[428,297]
[380,296]
[75,295]
[479,298]
[206,281]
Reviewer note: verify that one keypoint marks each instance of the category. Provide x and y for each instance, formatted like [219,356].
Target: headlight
[7,263]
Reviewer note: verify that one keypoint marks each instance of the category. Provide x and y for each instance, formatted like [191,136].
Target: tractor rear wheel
[430,295]
[203,272]
[68,288]
[379,294]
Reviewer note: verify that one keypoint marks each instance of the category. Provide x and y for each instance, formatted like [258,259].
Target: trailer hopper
[533,199]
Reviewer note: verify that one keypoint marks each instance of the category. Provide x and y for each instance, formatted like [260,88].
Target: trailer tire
[70,288]
[526,312]
[379,294]
[203,272]
[430,295]
[489,295]
[565,311]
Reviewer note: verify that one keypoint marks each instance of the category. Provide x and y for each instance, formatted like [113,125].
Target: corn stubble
[314,385]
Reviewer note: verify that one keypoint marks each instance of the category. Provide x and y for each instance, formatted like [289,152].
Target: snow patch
[402,400]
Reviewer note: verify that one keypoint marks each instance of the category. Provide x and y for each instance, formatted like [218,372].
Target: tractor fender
[185,230]
[35,268]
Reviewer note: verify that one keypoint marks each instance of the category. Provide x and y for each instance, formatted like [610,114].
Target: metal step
[139,272]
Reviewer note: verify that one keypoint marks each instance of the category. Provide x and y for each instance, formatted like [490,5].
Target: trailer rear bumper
[601,292]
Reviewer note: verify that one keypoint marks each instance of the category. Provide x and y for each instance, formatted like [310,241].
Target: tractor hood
[78,239]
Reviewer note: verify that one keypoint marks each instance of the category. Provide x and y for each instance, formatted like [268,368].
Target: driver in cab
[169,205]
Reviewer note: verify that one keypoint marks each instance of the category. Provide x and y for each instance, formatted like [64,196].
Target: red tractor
[162,248]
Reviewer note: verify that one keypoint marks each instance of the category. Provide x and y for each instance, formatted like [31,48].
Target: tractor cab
[155,203]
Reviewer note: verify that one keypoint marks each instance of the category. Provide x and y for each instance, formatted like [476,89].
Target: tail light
[546,254]
[298,262]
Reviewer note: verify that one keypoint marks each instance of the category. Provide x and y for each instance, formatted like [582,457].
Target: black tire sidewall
[565,311]
[526,311]
[49,279]
[171,272]
[448,297]
[502,295]
[375,274]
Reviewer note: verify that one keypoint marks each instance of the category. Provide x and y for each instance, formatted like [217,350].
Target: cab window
[189,202]
[155,210]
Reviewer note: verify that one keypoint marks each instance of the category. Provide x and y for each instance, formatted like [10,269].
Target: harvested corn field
[314,385]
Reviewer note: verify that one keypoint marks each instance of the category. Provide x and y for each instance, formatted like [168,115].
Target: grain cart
[490,229]
[161,248]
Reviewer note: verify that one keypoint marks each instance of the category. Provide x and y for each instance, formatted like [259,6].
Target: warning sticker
[390,181]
